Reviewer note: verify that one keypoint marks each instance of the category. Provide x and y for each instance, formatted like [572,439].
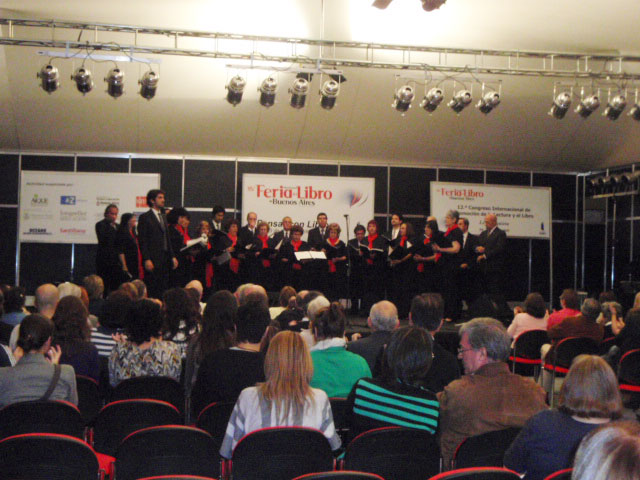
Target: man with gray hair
[488,397]
[383,319]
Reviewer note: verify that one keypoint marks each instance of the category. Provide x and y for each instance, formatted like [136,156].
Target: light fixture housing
[615,107]
[634,112]
[235,89]
[488,102]
[49,78]
[115,82]
[329,92]
[84,80]
[403,98]
[430,5]
[560,105]
[460,100]
[432,99]
[149,84]
[587,106]
[267,91]
[299,90]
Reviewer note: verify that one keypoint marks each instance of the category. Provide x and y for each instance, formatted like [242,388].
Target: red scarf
[371,239]
[234,263]
[296,247]
[427,241]
[265,244]
[209,270]
[140,269]
[333,242]
[450,229]
[403,241]
[185,235]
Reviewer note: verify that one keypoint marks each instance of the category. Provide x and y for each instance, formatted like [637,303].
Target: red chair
[564,474]
[526,350]
[177,477]
[394,453]
[629,377]
[43,456]
[89,398]
[280,453]
[478,473]
[606,345]
[157,388]
[340,475]
[50,416]
[214,419]
[340,411]
[485,450]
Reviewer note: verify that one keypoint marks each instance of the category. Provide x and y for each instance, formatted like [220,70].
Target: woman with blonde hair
[284,399]
[547,443]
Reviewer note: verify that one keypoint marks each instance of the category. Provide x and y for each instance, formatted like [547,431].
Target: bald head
[46,299]
[490,221]
[255,294]
[383,316]
[197,286]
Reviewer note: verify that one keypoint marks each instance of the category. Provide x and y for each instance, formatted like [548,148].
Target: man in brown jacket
[488,397]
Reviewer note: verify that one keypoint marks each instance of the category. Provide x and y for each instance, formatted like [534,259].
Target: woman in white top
[534,316]
[284,399]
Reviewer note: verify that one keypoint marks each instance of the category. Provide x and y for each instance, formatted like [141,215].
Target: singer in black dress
[400,255]
[374,269]
[129,249]
[336,252]
[450,260]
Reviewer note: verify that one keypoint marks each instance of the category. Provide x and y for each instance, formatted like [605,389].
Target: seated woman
[111,321]
[144,353]
[284,399]
[72,334]
[37,375]
[335,370]
[589,397]
[534,316]
[181,317]
[398,398]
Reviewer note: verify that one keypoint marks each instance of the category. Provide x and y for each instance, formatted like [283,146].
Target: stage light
[432,99]
[115,82]
[635,112]
[615,107]
[430,5]
[83,79]
[329,91]
[298,91]
[403,98]
[587,106]
[49,77]
[235,89]
[268,91]
[149,84]
[460,100]
[488,102]
[560,105]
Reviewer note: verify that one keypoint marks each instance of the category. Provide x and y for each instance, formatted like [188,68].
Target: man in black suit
[383,320]
[468,270]
[248,232]
[283,235]
[427,311]
[319,234]
[491,250]
[157,254]
[107,263]
[217,216]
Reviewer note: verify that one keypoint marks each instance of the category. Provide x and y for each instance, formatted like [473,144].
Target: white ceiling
[189,114]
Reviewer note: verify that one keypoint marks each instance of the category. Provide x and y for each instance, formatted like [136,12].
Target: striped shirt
[378,404]
[103,341]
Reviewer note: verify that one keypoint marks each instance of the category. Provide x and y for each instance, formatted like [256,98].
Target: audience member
[37,375]
[283,301]
[312,303]
[534,316]
[488,397]
[427,311]
[383,320]
[144,353]
[218,333]
[181,317]
[72,333]
[130,289]
[223,374]
[197,286]
[141,288]
[399,397]
[284,399]
[112,322]
[46,300]
[14,310]
[589,397]
[95,289]
[611,452]
[335,370]
[570,304]
[69,289]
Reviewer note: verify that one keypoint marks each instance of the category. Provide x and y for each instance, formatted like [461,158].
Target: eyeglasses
[462,350]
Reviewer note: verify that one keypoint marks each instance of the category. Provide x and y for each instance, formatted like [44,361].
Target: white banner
[523,212]
[63,207]
[273,197]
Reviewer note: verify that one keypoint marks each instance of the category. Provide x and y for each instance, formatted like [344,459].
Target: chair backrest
[214,419]
[394,453]
[89,398]
[51,416]
[40,456]
[340,475]
[606,345]
[340,411]
[629,370]
[564,474]
[177,477]
[120,418]
[167,450]
[478,473]
[486,450]
[158,388]
[569,348]
[527,344]
[280,453]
